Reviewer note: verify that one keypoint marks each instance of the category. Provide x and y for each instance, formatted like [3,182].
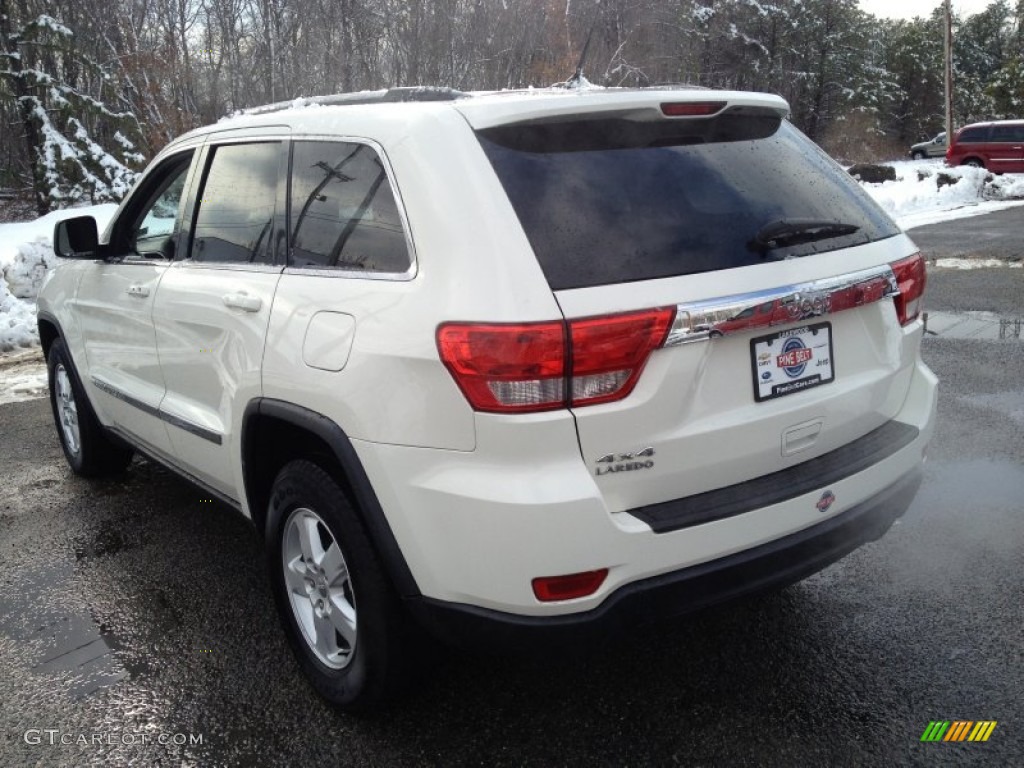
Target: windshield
[612,200]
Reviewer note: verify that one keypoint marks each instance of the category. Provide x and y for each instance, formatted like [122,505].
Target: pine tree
[78,149]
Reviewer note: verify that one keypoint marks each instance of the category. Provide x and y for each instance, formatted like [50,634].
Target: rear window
[343,213]
[618,199]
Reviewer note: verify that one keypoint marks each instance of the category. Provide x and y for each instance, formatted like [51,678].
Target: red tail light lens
[544,366]
[506,368]
[609,353]
[910,279]
[551,588]
[700,109]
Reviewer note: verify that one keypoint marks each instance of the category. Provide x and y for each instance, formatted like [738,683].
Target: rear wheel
[974,162]
[88,448]
[340,613]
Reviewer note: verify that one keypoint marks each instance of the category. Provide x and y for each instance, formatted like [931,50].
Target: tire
[918,155]
[974,162]
[324,573]
[87,446]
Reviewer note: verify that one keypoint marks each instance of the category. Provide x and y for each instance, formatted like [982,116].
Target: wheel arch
[49,331]
[275,432]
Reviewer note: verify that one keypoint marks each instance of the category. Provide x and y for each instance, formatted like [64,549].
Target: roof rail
[388,96]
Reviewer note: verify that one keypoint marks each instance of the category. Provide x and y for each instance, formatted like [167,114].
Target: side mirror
[76,238]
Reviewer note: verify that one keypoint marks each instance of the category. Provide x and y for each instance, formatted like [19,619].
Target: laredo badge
[625,462]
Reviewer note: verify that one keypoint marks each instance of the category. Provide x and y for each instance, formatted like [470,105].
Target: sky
[908,9]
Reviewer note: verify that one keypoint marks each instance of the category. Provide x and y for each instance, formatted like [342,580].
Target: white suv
[502,367]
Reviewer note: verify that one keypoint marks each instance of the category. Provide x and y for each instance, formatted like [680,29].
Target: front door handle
[243,301]
[141,291]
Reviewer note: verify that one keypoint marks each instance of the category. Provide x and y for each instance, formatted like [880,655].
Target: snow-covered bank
[26,253]
[927,192]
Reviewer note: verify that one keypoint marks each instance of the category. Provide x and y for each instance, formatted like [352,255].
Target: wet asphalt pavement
[134,615]
[994,235]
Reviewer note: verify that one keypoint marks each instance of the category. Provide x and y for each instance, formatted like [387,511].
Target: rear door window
[342,211]
[613,200]
[235,209]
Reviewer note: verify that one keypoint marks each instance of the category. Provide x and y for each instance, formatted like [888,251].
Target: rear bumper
[775,564]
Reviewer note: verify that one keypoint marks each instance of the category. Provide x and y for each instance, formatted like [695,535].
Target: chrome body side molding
[188,426]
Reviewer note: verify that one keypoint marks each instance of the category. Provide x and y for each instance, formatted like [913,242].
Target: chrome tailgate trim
[713,318]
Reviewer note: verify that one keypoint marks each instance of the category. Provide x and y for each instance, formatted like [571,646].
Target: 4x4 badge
[626,462]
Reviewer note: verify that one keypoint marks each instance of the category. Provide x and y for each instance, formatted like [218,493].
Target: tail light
[609,353]
[543,366]
[506,368]
[910,280]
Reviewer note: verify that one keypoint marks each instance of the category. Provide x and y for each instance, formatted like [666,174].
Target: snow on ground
[977,264]
[22,377]
[26,253]
[17,321]
[916,199]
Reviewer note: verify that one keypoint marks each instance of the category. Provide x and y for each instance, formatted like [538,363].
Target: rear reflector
[910,279]
[698,109]
[542,366]
[551,588]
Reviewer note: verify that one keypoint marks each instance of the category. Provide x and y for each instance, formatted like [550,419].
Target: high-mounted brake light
[694,109]
[542,366]
[910,280]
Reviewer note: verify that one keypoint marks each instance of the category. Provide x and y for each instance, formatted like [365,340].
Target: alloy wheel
[319,587]
[67,410]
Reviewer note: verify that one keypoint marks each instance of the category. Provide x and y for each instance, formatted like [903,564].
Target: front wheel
[918,155]
[339,611]
[974,163]
[87,447]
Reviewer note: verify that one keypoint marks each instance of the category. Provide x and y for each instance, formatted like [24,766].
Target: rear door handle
[243,301]
[141,291]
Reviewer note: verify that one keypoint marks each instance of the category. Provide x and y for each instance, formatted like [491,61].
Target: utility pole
[949,72]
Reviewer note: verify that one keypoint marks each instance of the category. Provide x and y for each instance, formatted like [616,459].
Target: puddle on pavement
[1009,404]
[975,485]
[984,326]
[109,539]
[63,641]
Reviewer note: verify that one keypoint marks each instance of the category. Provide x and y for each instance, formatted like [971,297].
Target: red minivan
[997,146]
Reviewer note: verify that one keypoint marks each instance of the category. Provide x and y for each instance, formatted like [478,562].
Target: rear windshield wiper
[783,232]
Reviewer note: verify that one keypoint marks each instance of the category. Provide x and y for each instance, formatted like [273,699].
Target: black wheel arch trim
[368,505]
[43,316]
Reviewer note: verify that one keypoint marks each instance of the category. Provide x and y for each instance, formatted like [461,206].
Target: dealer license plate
[792,361]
